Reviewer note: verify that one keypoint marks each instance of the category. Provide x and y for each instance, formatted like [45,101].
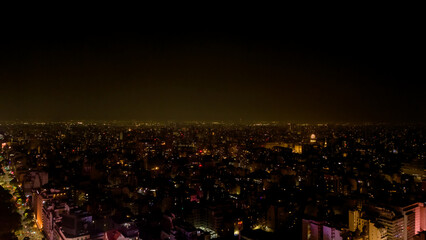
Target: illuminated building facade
[315,230]
[367,227]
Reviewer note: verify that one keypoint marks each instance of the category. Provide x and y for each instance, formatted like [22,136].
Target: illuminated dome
[313,138]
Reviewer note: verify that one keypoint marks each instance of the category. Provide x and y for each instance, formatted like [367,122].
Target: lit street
[29,228]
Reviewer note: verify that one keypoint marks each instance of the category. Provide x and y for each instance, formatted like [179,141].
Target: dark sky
[310,70]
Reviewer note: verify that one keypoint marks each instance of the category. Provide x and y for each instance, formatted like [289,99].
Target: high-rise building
[46,209]
[413,215]
[403,222]
[315,230]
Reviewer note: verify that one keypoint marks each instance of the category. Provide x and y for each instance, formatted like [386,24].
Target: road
[29,229]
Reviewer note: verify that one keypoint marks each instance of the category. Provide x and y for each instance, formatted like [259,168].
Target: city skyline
[301,126]
[212,181]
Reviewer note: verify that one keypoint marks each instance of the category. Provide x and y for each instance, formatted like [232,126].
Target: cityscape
[271,123]
[212,180]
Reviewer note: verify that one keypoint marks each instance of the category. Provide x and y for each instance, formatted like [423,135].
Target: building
[402,222]
[376,231]
[115,235]
[319,230]
[41,201]
[33,180]
[295,147]
[413,215]
[75,224]
[358,221]
[276,215]
[394,225]
[126,227]
[416,168]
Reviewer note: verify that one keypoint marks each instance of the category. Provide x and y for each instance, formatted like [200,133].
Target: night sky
[338,70]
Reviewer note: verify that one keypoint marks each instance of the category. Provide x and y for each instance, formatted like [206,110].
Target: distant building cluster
[226,181]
